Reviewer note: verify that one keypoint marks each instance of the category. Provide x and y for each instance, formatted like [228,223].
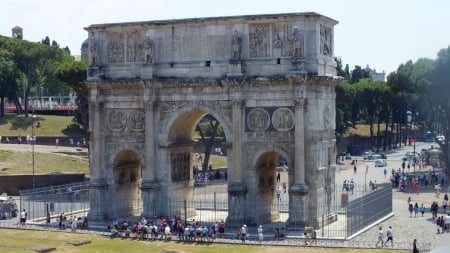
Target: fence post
[215,207]
[185,210]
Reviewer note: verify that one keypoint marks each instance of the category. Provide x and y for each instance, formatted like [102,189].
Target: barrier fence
[347,213]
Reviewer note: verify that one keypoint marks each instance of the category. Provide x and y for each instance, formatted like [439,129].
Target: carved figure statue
[93,50]
[236,46]
[296,43]
[147,46]
[325,41]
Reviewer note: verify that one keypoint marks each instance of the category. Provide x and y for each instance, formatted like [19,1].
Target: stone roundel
[283,119]
[258,120]
[117,120]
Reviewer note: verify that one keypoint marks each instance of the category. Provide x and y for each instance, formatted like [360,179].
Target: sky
[380,33]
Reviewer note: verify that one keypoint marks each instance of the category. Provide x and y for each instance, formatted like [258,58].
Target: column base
[236,204]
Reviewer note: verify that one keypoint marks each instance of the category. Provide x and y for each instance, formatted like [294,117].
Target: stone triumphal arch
[268,79]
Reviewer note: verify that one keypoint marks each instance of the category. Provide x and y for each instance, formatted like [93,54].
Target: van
[380,163]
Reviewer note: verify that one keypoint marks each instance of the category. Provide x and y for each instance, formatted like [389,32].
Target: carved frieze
[116,47]
[168,108]
[180,164]
[325,40]
[259,37]
[134,51]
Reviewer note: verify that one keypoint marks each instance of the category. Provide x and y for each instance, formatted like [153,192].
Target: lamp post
[33,140]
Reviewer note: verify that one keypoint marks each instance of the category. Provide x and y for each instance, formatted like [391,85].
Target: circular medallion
[283,119]
[117,120]
[258,120]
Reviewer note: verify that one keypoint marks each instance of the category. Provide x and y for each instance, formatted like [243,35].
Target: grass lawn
[17,240]
[45,125]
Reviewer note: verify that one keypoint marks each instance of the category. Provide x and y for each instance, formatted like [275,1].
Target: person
[385,172]
[23,217]
[278,177]
[48,219]
[437,188]
[444,204]
[56,142]
[313,237]
[415,248]
[416,209]
[279,193]
[380,237]
[354,169]
[410,208]
[260,234]
[390,236]
[243,233]
[422,209]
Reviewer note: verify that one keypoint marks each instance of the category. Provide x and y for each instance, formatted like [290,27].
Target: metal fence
[349,213]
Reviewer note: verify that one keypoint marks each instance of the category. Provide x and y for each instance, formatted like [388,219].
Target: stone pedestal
[147,71]
[236,204]
[98,191]
[298,198]
[150,190]
[235,68]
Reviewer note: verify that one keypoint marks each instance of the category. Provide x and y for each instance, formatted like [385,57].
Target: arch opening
[272,195]
[127,180]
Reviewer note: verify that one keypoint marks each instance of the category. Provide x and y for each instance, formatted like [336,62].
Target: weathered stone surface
[269,80]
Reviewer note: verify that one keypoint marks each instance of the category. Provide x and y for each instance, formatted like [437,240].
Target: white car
[380,163]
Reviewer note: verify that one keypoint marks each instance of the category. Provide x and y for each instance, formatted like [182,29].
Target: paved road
[405,228]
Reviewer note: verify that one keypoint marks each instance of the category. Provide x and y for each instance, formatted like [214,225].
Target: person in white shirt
[260,234]
[380,237]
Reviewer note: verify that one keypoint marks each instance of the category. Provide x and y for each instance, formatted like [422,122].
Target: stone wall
[12,184]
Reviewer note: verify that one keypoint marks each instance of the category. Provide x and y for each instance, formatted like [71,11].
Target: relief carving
[325,40]
[271,137]
[134,52]
[117,120]
[259,40]
[116,47]
[136,121]
[283,119]
[258,120]
[180,167]
[170,107]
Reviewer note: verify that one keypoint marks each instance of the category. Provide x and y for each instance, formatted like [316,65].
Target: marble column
[236,189]
[149,185]
[98,186]
[299,190]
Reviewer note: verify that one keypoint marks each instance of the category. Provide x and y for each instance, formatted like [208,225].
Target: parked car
[380,163]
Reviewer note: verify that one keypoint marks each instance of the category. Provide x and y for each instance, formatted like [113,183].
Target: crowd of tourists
[161,228]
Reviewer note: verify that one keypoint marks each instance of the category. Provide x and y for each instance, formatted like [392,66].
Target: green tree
[73,73]
[9,74]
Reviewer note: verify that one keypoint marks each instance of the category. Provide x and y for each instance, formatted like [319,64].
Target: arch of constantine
[268,79]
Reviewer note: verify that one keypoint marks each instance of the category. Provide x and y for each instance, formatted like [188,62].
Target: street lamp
[33,140]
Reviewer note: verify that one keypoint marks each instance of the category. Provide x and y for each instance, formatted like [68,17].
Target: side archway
[127,180]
